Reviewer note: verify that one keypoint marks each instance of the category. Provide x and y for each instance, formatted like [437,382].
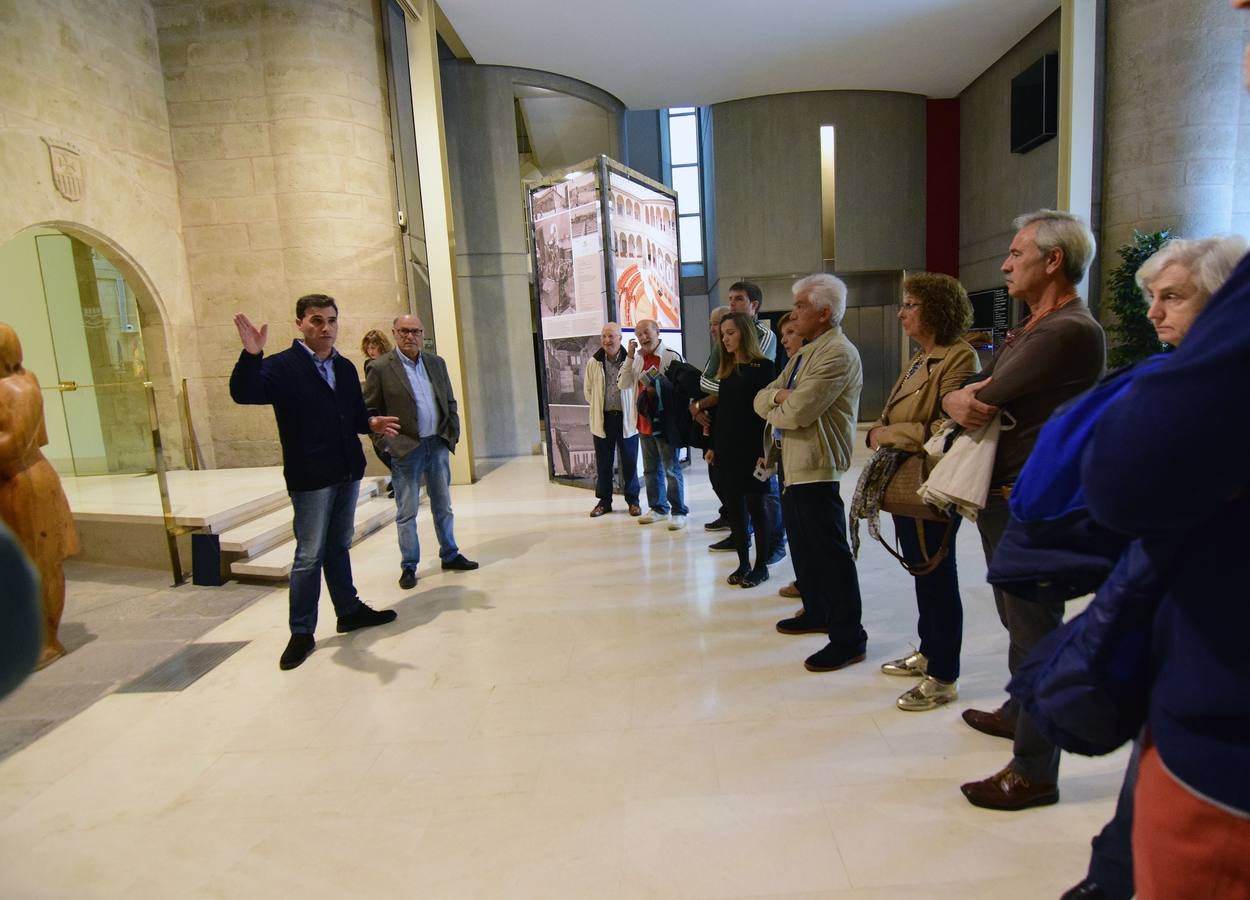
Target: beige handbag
[901,497]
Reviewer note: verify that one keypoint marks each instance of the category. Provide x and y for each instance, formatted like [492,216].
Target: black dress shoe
[717,524]
[459,563]
[408,579]
[756,576]
[801,625]
[736,576]
[835,656]
[365,618]
[1086,890]
[297,650]
[1008,790]
[725,545]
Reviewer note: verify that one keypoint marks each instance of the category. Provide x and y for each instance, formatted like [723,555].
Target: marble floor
[592,714]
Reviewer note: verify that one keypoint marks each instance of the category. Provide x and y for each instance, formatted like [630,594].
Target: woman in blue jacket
[1186,480]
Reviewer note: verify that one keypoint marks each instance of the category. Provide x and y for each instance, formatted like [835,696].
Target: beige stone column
[281,141]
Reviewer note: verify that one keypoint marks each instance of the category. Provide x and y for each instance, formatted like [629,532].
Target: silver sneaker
[929,694]
[914,666]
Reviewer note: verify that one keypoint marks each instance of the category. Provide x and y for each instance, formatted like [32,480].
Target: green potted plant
[1132,335]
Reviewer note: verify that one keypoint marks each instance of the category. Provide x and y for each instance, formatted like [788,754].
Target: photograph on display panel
[566,360]
[572,447]
[568,256]
[644,242]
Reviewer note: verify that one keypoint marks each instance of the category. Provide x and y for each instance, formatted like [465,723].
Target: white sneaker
[677,523]
[650,516]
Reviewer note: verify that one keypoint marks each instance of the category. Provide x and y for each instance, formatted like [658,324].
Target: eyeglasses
[410,332]
[909,306]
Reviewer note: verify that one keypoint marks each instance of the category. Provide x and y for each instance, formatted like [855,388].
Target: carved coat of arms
[67,175]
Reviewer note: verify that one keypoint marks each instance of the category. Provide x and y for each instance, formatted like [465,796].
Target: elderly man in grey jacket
[812,407]
[413,385]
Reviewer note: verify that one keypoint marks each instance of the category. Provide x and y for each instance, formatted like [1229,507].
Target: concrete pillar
[1174,154]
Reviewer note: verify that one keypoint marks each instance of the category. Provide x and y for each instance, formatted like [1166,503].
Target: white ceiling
[657,53]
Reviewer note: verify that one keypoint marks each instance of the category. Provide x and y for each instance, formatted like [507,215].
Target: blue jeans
[605,454]
[661,468]
[431,459]
[941,612]
[324,522]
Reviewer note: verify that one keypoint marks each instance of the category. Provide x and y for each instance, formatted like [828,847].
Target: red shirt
[646,397]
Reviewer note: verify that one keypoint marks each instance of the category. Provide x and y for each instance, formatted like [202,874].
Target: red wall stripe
[942,190]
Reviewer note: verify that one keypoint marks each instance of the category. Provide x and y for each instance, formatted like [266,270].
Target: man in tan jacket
[812,407]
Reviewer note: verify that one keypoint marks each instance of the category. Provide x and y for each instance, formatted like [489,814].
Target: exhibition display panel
[605,249]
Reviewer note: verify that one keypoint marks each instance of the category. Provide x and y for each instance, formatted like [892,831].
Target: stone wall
[766,164]
[281,137]
[1177,145]
[997,185]
[89,75]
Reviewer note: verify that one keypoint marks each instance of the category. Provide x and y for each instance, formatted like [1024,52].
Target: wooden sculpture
[31,500]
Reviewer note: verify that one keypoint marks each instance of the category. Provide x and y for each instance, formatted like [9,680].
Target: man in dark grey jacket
[413,385]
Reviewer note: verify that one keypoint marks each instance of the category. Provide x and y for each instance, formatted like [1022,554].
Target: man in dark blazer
[413,386]
[315,395]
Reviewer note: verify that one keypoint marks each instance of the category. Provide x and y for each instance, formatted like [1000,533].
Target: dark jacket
[317,427]
[389,393]
[1086,685]
[1169,459]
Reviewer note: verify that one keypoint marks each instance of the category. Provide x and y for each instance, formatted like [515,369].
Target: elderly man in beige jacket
[811,408]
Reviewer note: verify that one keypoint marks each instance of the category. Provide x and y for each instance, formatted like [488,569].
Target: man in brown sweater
[1055,353]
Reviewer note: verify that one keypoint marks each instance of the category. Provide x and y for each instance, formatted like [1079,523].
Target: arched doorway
[82,327]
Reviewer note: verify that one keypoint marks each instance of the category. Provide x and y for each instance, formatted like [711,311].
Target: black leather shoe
[1008,790]
[801,625]
[833,657]
[459,563]
[717,524]
[1086,890]
[756,576]
[408,579]
[297,650]
[366,618]
[723,546]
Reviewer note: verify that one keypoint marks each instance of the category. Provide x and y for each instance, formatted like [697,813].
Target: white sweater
[593,389]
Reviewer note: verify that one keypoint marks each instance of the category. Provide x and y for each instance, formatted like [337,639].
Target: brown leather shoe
[995,723]
[791,590]
[1009,790]
[635,509]
[600,510]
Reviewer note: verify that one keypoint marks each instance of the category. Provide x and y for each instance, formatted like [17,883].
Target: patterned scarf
[870,490]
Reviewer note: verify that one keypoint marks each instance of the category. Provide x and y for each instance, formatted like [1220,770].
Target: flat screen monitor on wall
[1035,104]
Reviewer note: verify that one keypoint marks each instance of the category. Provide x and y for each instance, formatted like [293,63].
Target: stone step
[374,513]
[255,536]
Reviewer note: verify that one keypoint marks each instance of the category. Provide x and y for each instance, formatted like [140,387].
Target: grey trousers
[1026,621]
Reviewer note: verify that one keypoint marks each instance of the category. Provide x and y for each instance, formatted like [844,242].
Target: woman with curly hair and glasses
[935,313]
